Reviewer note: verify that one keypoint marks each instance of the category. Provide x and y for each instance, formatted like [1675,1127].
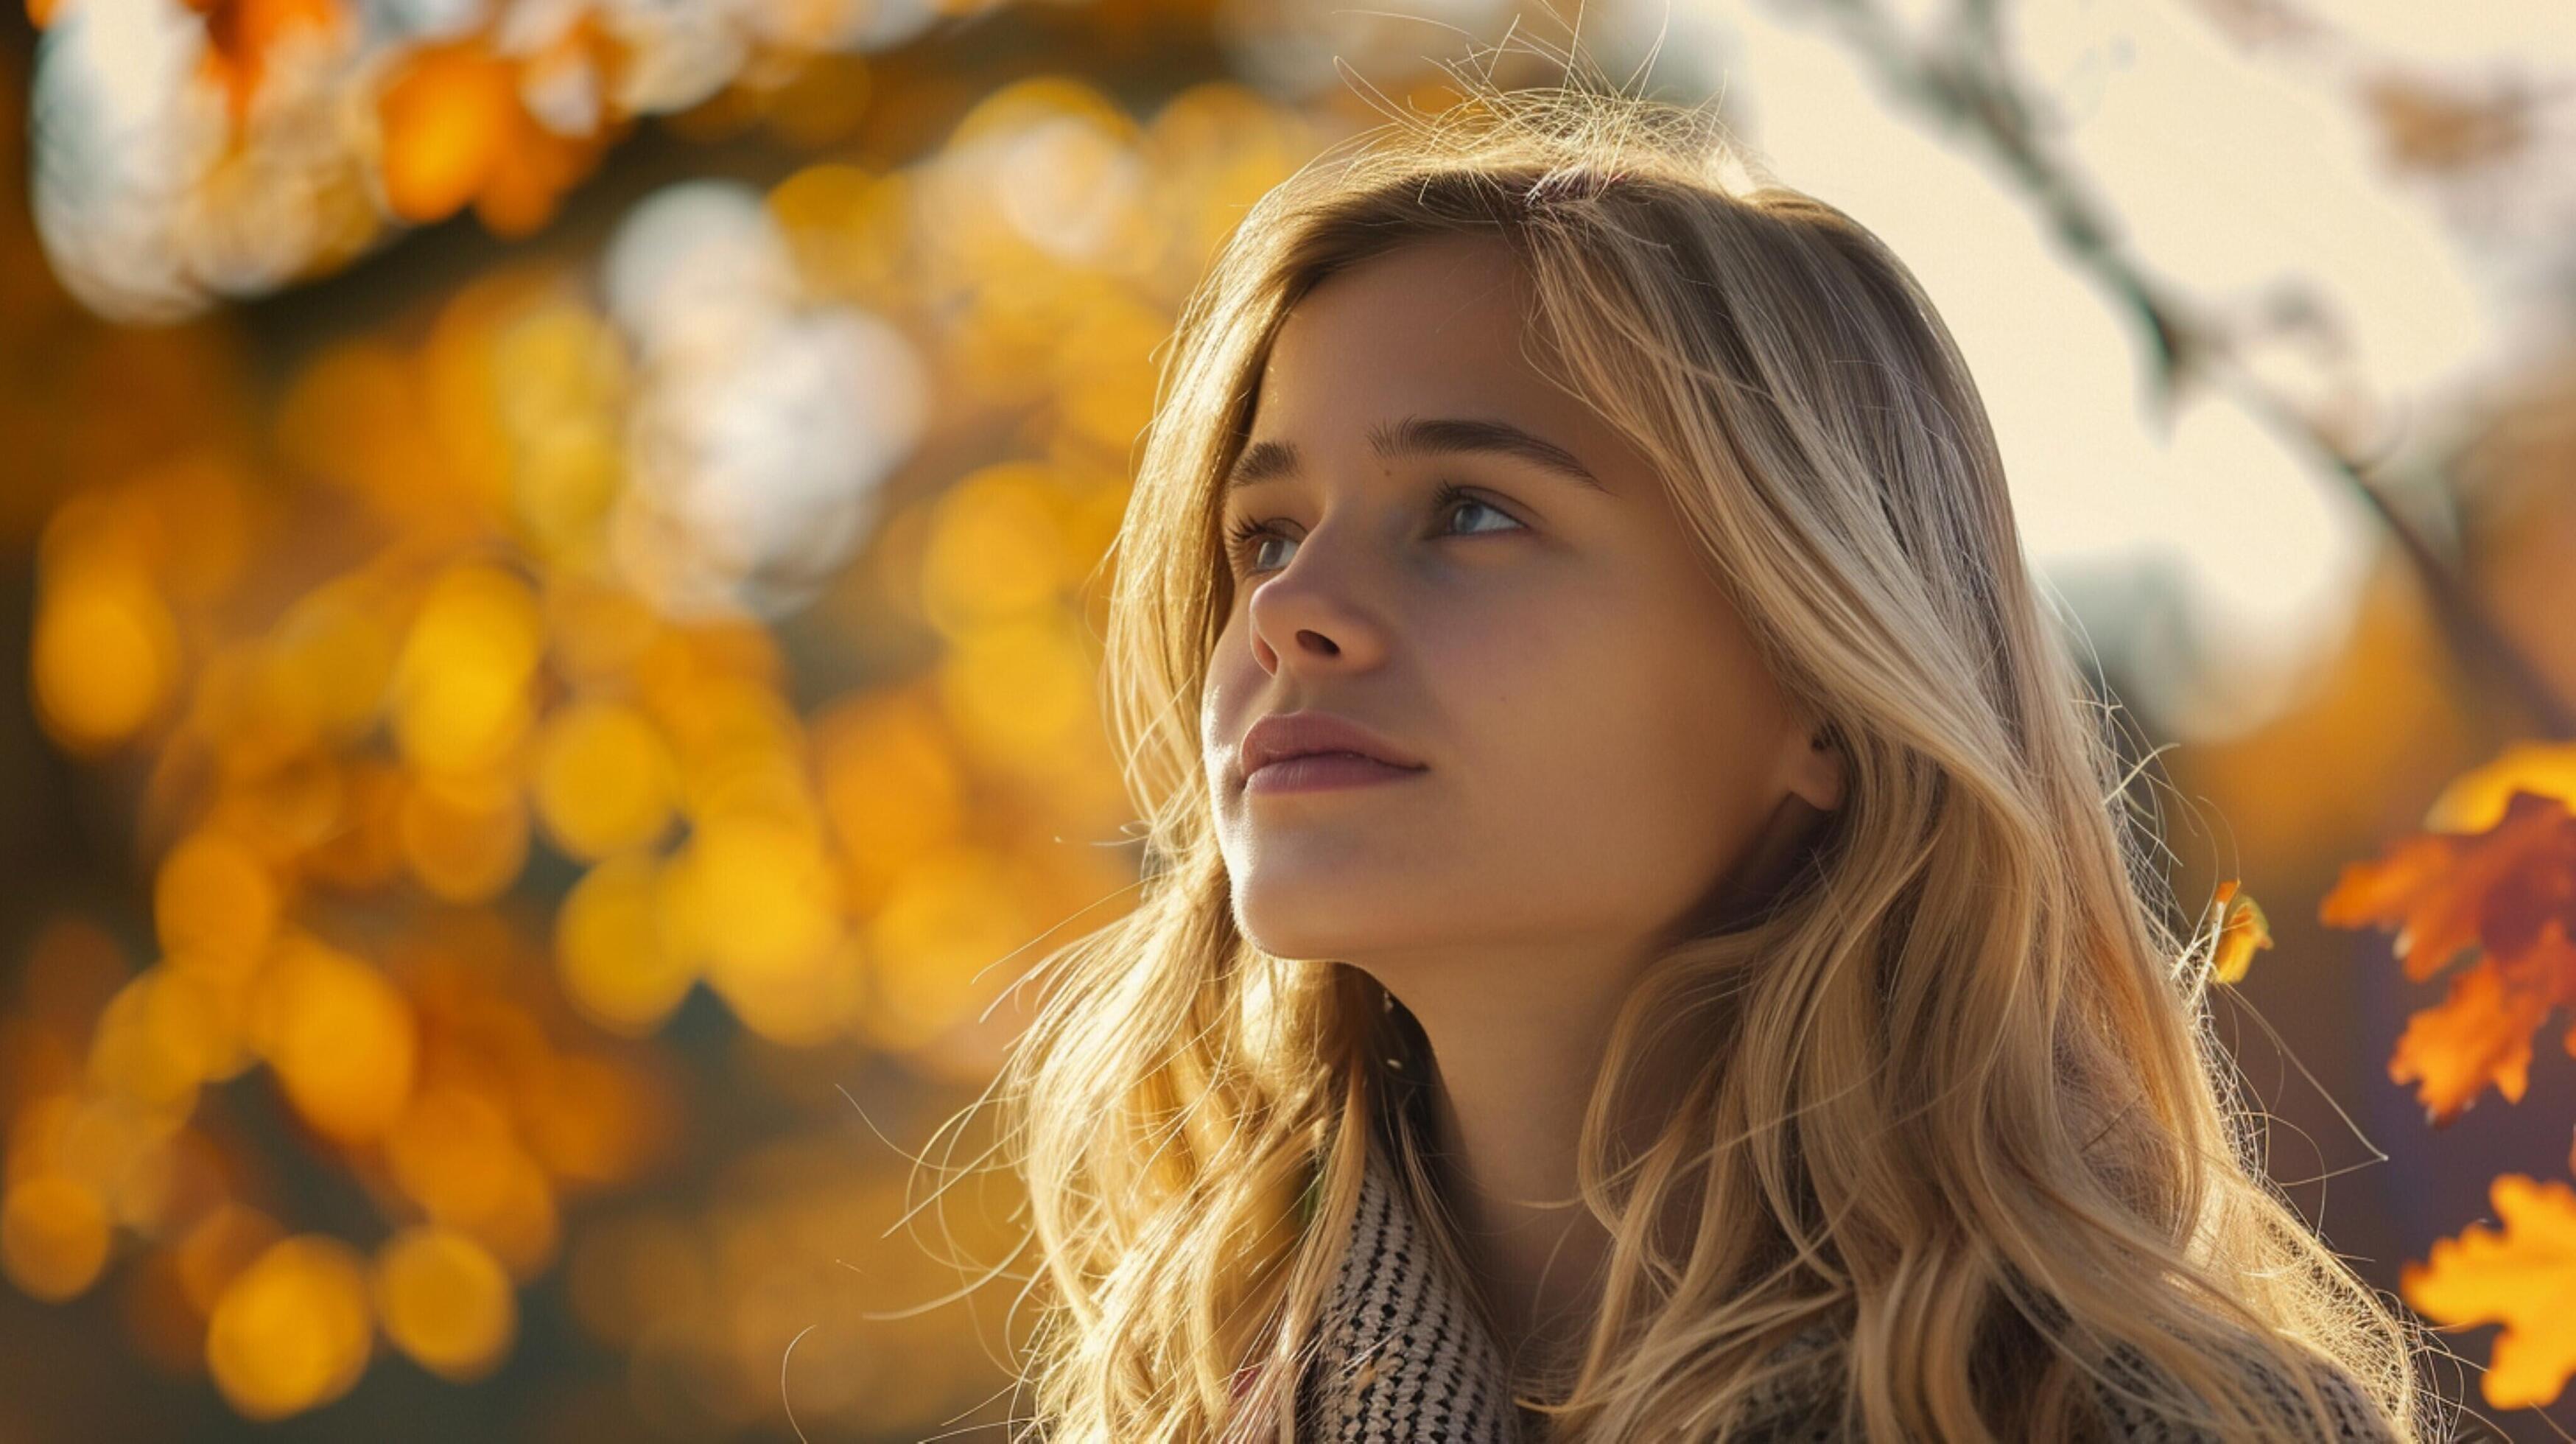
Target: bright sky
[2230,171]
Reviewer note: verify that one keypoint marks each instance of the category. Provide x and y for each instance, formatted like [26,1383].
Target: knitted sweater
[1404,1358]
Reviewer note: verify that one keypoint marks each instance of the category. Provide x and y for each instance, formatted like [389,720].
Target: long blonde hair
[1961,1097]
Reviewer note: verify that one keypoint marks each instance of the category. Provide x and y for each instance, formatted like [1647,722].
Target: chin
[1289,929]
[1295,944]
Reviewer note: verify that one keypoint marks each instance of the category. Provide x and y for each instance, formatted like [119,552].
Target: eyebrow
[1265,461]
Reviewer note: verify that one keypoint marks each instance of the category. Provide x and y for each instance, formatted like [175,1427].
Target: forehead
[1433,328]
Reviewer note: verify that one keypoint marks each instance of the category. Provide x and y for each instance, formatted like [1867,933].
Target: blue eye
[1243,538]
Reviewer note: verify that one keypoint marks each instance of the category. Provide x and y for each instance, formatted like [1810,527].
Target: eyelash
[1243,536]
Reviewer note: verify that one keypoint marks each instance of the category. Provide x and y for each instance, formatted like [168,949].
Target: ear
[1818,768]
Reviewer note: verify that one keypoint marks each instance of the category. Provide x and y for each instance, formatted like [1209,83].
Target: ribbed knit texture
[1403,1357]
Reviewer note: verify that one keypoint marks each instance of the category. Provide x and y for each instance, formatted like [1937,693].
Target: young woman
[1640,937]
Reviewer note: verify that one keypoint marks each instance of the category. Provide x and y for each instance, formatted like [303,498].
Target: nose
[1317,609]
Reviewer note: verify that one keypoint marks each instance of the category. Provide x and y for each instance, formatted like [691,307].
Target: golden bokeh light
[105,659]
[994,554]
[170,1183]
[331,656]
[108,1142]
[128,1058]
[54,1236]
[614,949]
[227,1240]
[454,1152]
[603,780]
[214,899]
[445,1301]
[1040,173]
[941,943]
[198,1016]
[594,1121]
[1022,689]
[819,998]
[239,709]
[1104,371]
[460,688]
[355,418]
[293,1330]
[464,835]
[734,742]
[846,227]
[560,377]
[893,785]
[364,849]
[755,898]
[524,1226]
[600,633]
[35,1134]
[340,1038]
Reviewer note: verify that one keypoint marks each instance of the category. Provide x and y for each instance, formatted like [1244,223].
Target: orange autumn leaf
[532,176]
[2480,1034]
[240,34]
[2509,892]
[542,162]
[2242,931]
[448,118]
[2520,1276]
[2445,891]
[457,131]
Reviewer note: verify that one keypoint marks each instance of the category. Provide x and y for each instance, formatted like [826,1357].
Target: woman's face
[1600,744]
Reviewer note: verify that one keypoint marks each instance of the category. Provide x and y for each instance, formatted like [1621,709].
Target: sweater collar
[1404,1352]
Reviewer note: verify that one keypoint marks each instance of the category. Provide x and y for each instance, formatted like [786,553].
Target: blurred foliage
[445,686]
[536,735]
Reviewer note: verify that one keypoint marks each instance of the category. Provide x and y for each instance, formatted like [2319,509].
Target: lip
[1318,771]
[1286,735]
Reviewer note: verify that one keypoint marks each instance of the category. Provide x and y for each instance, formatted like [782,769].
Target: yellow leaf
[2475,800]
[2243,930]
[2520,1277]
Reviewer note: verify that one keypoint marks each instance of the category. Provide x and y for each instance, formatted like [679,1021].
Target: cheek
[1573,693]
[1232,672]
[1616,755]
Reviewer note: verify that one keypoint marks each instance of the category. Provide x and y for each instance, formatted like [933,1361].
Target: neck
[1514,1065]
[1519,1032]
